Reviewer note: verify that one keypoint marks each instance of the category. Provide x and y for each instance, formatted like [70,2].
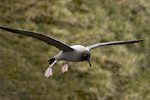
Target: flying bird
[75,53]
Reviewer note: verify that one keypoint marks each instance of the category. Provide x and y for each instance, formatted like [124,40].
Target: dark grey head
[83,53]
[86,57]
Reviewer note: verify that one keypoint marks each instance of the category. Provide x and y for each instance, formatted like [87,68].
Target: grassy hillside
[117,73]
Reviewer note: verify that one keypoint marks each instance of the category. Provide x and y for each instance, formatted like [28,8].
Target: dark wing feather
[41,37]
[114,43]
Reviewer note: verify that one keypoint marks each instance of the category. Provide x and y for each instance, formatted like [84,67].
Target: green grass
[118,72]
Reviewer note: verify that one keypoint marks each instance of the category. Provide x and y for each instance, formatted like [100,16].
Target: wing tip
[6,29]
[2,27]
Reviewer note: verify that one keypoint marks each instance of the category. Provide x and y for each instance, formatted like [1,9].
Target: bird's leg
[65,67]
[49,71]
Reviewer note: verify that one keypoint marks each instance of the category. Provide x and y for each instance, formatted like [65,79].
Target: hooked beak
[88,60]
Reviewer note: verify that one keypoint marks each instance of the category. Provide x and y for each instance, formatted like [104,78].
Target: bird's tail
[51,60]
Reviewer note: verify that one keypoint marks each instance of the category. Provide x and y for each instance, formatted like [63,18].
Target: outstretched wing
[113,43]
[41,37]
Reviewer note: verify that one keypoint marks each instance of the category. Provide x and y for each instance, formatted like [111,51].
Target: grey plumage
[75,53]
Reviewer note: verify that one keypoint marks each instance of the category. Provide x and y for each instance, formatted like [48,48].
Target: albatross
[75,53]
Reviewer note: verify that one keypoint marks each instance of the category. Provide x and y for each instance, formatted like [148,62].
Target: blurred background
[117,73]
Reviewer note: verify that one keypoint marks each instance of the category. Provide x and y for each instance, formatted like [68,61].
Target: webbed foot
[49,71]
[65,68]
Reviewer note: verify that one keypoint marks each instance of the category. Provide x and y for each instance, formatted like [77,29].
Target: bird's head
[86,57]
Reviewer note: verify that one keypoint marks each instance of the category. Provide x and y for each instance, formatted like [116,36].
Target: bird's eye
[84,55]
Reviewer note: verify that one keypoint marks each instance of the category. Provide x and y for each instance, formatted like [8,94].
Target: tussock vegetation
[118,72]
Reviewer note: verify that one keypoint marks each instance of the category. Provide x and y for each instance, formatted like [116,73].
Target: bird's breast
[73,56]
